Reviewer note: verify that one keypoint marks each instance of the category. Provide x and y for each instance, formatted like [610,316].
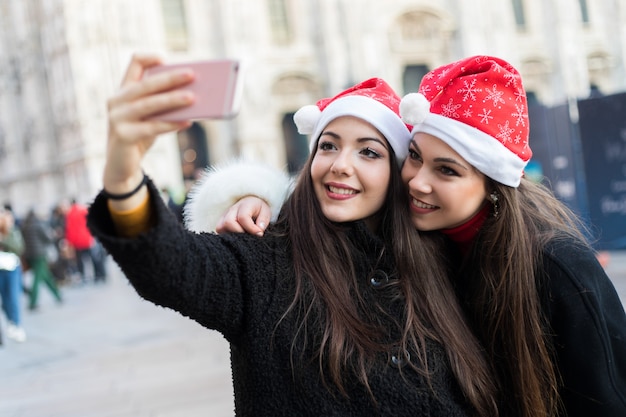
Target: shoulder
[574,282]
[570,255]
[570,265]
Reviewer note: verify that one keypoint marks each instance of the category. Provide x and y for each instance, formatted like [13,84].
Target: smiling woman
[324,315]
[549,318]
[459,193]
[351,170]
[533,290]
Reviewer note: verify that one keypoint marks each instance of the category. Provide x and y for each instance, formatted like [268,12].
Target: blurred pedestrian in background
[38,240]
[64,266]
[85,246]
[11,248]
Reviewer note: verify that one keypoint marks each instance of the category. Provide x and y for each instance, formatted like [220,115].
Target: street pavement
[107,353]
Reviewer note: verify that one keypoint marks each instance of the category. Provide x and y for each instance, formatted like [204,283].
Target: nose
[417,180]
[343,164]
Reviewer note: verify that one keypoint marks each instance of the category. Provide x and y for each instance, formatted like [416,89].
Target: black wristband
[124,196]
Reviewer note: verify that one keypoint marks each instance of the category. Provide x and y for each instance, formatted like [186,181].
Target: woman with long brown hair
[327,314]
[542,306]
[548,317]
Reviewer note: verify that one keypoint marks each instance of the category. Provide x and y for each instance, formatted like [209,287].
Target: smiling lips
[340,192]
[421,207]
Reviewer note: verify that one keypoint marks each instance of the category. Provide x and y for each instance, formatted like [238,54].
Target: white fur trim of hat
[310,120]
[478,106]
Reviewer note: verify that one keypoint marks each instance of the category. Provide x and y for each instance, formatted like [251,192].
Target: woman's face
[445,190]
[351,170]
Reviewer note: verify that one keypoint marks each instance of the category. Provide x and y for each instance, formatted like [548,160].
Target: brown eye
[371,153]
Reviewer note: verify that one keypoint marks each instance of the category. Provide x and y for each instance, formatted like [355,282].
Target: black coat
[586,326]
[241,285]
[589,325]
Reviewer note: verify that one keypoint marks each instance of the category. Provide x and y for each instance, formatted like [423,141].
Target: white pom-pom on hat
[306,118]
[414,108]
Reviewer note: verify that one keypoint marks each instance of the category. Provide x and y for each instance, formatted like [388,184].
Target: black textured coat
[241,285]
[585,325]
[588,321]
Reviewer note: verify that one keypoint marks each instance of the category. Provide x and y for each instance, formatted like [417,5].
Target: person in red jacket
[84,244]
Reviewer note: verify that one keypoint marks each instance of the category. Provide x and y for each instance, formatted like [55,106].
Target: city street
[107,353]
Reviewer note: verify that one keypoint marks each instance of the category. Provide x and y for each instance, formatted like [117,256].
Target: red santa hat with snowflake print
[478,107]
[372,100]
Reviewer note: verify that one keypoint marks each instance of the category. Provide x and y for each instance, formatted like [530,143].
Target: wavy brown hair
[501,288]
[349,338]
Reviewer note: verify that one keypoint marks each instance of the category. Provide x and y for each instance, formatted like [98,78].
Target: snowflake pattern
[511,79]
[485,116]
[453,89]
[469,90]
[374,88]
[520,115]
[494,95]
[449,110]
[505,132]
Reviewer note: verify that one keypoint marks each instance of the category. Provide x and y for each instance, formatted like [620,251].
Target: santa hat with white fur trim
[372,100]
[478,107]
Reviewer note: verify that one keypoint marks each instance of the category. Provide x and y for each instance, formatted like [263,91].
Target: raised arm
[132,133]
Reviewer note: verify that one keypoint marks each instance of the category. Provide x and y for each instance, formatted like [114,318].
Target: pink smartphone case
[216,86]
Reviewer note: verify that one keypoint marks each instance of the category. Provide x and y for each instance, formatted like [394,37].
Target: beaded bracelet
[124,196]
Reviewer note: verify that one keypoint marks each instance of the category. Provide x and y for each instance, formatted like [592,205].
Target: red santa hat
[478,107]
[372,100]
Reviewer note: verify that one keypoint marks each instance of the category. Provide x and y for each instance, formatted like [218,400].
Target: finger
[137,65]
[228,226]
[264,217]
[143,130]
[247,223]
[228,222]
[143,108]
[151,86]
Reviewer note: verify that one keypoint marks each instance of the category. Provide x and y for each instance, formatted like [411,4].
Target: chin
[338,217]
[423,227]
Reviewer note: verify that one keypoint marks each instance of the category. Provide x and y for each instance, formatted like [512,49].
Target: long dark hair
[327,294]
[504,304]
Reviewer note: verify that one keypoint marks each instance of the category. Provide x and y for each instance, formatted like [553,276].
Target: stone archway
[291,92]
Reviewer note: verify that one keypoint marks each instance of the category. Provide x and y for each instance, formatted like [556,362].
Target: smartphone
[217,87]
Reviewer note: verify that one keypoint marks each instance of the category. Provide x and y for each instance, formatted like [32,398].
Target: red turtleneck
[464,234]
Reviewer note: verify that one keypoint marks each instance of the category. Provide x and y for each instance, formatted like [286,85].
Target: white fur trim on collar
[222,186]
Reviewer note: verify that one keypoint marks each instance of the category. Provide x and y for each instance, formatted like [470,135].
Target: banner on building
[602,123]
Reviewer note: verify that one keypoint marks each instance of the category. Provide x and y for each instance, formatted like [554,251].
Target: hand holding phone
[217,89]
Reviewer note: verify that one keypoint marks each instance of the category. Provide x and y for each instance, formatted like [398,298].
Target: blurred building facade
[61,59]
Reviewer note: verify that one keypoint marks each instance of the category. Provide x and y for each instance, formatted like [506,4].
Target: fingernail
[187,97]
[184,75]
[262,225]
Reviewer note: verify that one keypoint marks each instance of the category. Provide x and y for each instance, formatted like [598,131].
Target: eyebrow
[359,140]
[443,159]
